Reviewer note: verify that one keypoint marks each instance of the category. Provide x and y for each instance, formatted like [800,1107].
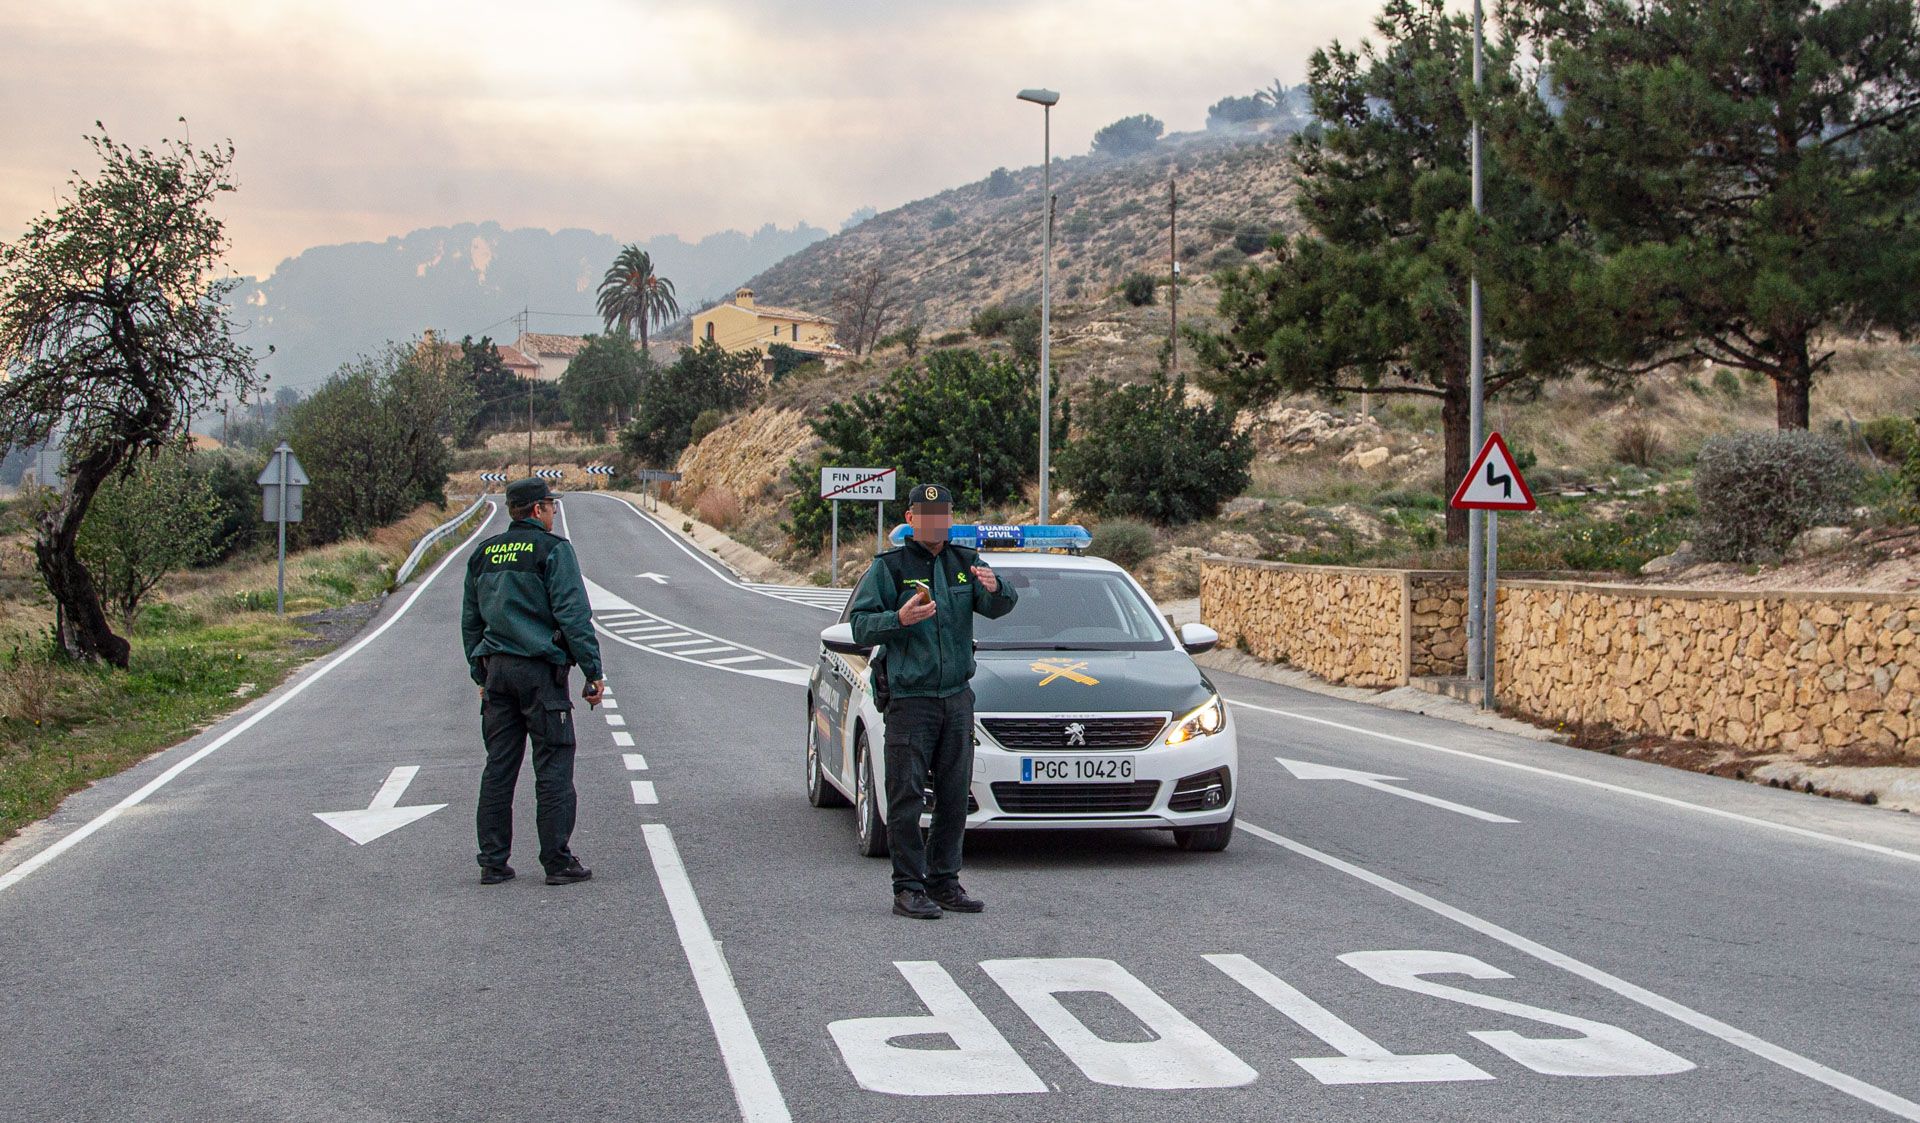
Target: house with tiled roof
[741,324]
[516,361]
[549,353]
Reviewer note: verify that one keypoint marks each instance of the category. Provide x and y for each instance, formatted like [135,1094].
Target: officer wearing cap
[919,601]
[524,621]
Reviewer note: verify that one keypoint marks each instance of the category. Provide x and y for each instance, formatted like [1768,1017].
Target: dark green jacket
[524,596]
[934,658]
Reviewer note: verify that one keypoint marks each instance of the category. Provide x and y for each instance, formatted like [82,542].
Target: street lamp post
[1046,100]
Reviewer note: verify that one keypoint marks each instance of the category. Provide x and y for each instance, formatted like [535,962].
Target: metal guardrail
[428,539]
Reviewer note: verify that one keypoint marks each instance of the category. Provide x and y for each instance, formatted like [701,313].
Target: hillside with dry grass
[949,255]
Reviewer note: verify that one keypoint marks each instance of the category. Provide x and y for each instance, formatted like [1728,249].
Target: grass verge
[207,645]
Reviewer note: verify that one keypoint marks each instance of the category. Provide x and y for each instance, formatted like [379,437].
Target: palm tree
[633,297]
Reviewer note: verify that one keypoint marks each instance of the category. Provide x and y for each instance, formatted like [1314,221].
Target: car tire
[820,790]
[869,803]
[1205,839]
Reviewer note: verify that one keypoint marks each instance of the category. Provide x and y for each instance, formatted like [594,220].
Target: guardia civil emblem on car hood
[1086,682]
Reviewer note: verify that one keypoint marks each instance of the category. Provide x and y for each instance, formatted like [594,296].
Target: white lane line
[679,643]
[622,739]
[754,1088]
[1685,1015]
[643,792]
[1669,801]
[710,650]
[696,556]
[615,719]
[13,876]
[636,762]
[651,629]
[733,660]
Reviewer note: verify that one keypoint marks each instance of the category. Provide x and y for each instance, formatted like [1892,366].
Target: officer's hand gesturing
[986,577]
[918,608]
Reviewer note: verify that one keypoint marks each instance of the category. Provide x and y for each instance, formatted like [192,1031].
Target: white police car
[1089,710]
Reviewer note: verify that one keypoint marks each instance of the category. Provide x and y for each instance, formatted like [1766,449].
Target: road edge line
[754,1087]
[1621,789]
[67,842]
[1660,1004]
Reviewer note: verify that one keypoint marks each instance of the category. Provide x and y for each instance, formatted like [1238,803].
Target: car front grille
[1074,799]
[1057,732]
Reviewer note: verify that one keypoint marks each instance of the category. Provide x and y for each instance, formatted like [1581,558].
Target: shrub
[950,339]
[1145,452]
[1129,136]
[1891,438]
[1637,443]
[1250,239]
[1138,289]
[1124,542]
[965,418]
[943,218]
[704,377]
[707,422]
[993,321]
[1758,490]
[718,507]
[1001,184]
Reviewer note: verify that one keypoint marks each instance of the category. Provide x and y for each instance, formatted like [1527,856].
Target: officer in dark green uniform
[919,601]
[525,620]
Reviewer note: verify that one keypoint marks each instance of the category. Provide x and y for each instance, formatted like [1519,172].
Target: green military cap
[527,492]
[925,495]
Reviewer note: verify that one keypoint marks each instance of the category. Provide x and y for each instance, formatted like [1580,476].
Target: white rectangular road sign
[856,483]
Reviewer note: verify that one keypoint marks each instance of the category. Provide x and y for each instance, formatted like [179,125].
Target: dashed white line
[643,792]
[624,740]
[754,1088]
[636,762]
[710,650]
[608,702]
[677,643]
[734,659]
[615,719]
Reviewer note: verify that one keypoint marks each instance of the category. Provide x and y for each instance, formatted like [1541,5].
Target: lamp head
[1039,97]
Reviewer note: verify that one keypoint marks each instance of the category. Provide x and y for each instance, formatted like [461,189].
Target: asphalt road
[1533,933]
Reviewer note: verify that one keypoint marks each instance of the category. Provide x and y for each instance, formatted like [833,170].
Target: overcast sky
[363,119]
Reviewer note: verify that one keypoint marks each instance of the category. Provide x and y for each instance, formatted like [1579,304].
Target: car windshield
[1072,610]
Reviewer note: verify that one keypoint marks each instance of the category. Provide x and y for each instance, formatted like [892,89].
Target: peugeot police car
[1089,710]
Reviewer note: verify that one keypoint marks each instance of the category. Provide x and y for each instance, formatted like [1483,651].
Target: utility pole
[1173,276]
[1478,611]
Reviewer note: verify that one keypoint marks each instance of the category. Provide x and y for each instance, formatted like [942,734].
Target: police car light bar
[998,536]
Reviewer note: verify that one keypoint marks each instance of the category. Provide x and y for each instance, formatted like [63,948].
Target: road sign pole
[1492,601]
[833,566]
[1476,521]
[880,526]
[280,591]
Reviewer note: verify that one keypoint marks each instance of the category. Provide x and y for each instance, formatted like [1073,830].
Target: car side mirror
[1197,638]
[838,638]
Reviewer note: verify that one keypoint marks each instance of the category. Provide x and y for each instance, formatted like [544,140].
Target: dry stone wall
[1797,672]
[1345,625]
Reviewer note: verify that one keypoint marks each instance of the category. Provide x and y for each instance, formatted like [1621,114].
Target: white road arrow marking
[656,578]
[1302,770]
[383,814]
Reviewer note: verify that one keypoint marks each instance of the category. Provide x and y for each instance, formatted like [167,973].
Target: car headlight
[1203,722]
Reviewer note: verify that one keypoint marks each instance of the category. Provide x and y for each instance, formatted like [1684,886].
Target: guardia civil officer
[919,601]
[524,622]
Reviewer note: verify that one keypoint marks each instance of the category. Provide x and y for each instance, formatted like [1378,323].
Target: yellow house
[740,325]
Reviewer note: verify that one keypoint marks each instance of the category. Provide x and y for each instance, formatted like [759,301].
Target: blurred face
[930,523]
[544,510]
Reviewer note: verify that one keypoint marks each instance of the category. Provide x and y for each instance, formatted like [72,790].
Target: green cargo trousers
[526,699]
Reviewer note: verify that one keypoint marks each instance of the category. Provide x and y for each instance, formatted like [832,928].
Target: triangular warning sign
[1494,482]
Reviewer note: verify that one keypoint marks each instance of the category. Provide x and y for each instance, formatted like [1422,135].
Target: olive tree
[160,518]
[113,322]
